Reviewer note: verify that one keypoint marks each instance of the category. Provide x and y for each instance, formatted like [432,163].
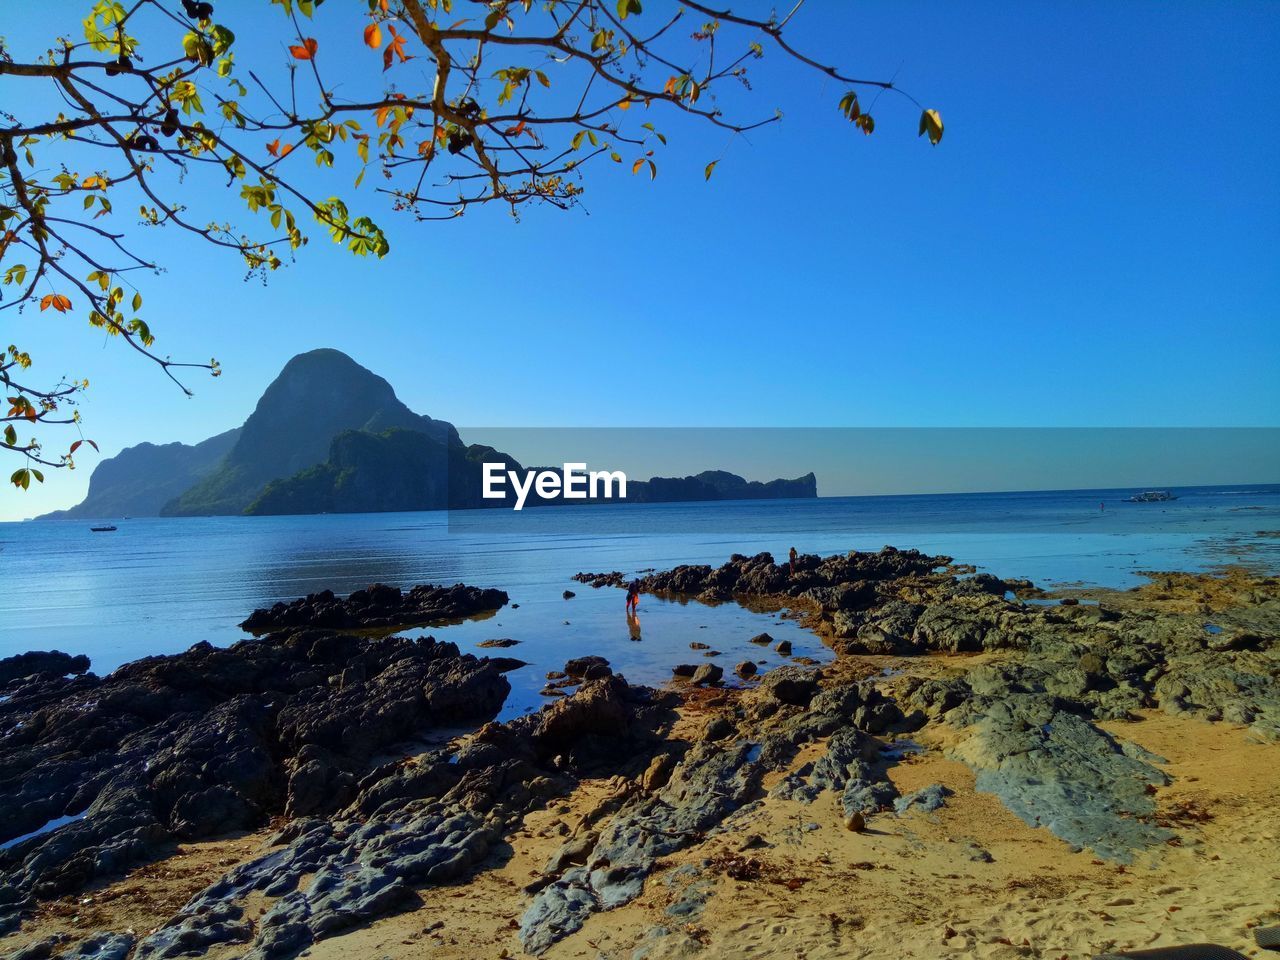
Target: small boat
[1151,496]
[107,529]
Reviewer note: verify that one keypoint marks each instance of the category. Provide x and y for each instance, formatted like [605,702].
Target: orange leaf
[373,36]
[635,167]
[394,49]
[624,104]
[57,301]
[306,50]
[273,147]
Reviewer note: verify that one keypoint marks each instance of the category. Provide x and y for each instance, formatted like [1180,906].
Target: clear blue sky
[1095,242]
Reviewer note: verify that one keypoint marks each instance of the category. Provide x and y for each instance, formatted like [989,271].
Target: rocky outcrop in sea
[378,607]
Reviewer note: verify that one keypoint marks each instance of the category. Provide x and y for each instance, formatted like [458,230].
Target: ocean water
[160,585]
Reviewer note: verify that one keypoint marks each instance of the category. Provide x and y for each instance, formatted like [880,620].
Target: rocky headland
[983,770]
[329,436]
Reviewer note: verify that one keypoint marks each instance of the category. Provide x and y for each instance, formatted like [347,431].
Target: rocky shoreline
[374,769]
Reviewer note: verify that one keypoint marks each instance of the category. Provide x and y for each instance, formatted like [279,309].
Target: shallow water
[160,585]
[49,827]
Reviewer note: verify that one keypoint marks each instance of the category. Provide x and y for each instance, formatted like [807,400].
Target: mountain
[720,485]
[329,436]
[139,480]
[316,396]
[394,470]
[406,470]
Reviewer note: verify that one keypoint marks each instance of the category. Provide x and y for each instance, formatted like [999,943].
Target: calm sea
[160,585]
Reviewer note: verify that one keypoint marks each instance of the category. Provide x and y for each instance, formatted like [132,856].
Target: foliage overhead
[471,102]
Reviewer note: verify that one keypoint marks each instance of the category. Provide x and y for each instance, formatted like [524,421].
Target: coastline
[127,590]
[780,794]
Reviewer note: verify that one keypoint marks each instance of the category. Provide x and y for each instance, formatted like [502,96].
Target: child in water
[633,596]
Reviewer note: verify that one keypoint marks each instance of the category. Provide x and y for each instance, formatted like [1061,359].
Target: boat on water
[1151,496]
[107,529]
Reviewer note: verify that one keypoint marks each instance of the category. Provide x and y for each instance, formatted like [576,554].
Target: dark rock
[1056,769]
[570,853]
[789,685]
[52,662]
[597,580]
[427,823]
[378,607]
[657,773]
[211,740]
[712,781]
[579,666]
[707,673]
[599,708]
[927,799]
[745,669]
[717,728]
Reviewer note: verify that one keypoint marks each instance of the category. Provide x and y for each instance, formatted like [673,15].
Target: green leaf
[710,166]
[10,435]
[222,39]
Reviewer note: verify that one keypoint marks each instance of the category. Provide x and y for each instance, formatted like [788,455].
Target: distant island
[329,436]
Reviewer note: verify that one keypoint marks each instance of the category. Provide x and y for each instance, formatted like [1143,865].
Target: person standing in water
[633,596]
